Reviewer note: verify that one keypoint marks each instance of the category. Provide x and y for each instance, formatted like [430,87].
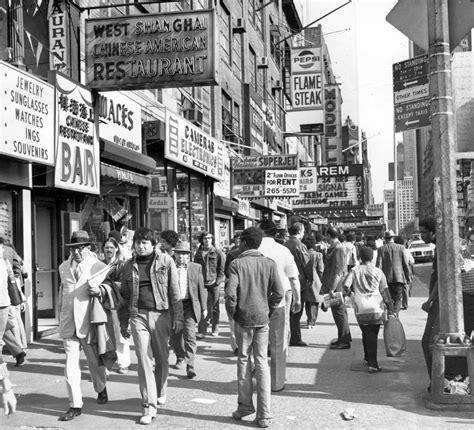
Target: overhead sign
[308,179]
[77,159]
[27,106]
[120,120]
[306,60]
[282,161]
[174,49]
[306,79]
[189,146]
[338,186]
[411,93]
[282,183]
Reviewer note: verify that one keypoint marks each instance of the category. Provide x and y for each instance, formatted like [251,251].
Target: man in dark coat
[393,261]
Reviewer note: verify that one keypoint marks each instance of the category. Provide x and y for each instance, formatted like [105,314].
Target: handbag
[368,308]
[394,338]
[13,291]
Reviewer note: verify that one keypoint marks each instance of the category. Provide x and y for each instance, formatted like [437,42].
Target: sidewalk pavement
[321,384]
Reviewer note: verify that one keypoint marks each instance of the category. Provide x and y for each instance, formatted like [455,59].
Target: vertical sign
[77,160]
[411,93]
[306,79]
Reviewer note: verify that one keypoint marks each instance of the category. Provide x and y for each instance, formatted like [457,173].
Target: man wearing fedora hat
[75,320]
[194,298]
[393,261]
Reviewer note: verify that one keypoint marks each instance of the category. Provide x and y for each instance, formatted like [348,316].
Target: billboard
[175,49]
[189,146]
[27,106]
[77,158]
[306,79]
[338,187]
[249,175]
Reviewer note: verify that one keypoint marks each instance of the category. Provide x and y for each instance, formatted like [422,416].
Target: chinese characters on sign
[151,51]
[27,106]
[77,160]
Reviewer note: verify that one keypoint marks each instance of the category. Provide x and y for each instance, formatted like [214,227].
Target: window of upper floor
[225,34]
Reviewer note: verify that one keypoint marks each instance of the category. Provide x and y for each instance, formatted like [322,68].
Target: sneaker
[239,414]
[122,370]
[264,422]
[149,414]
[162,400]
[179,363]
[200,336]
[375,369]
[215,333]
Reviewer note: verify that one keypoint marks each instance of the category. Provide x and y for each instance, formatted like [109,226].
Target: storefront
[181,194]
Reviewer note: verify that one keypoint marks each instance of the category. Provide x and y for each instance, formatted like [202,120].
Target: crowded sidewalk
[321,384]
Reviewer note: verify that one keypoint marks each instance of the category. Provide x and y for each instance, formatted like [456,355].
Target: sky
[363,46]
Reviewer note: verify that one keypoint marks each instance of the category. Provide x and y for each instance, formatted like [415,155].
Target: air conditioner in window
[193,115]
[239,26]
[274,29]
[263,63]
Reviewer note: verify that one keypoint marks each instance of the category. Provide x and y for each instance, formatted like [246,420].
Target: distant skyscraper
[405,202]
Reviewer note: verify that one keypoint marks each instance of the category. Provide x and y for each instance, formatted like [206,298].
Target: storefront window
[182,204]
[160,203]
[6,215]
[198,209]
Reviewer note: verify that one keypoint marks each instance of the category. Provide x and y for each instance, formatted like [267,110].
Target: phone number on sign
[274,191]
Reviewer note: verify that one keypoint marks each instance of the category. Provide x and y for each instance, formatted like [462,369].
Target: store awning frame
[126,157]
[123,175]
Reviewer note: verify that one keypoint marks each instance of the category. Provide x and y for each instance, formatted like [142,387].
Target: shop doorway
[45,269]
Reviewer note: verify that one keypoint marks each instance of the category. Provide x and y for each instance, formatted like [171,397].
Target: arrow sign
[412,115]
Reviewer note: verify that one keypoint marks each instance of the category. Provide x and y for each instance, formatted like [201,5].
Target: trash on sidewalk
[204,401]
[457,385]
[348,414]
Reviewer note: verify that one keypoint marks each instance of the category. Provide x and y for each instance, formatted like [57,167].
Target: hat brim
[78,244]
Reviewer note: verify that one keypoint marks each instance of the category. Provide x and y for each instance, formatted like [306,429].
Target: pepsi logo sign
[306,59]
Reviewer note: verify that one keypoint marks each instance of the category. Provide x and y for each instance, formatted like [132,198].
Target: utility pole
[451,340]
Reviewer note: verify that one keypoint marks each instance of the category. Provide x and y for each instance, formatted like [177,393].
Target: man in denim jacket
[212,262]
[253,292]
[153,306]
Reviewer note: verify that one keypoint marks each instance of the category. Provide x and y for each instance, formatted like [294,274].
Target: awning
[123,175]
[224,204]
[126,157]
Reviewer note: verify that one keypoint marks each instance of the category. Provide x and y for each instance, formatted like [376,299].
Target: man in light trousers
[252,293]
[280,320]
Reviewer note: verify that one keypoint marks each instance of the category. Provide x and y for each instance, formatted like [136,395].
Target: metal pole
[444,148]
[395,179]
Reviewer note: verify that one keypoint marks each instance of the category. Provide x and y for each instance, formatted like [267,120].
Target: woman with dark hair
[113,258]
[368,287]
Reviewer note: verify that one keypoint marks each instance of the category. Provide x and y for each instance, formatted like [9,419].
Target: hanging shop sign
[120,120]
[222,187]
[308,179]
[249,173]
[282,183]
[189,146]
[338,186]
[77,159]
[175,49]
[306,79]
[27,106]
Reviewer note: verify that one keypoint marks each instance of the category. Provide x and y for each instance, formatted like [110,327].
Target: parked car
[422,251]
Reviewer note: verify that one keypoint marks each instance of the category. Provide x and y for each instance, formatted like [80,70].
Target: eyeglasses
[78,248]
[208,237]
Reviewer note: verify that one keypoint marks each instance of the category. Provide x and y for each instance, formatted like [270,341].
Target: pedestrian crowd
[162,297]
